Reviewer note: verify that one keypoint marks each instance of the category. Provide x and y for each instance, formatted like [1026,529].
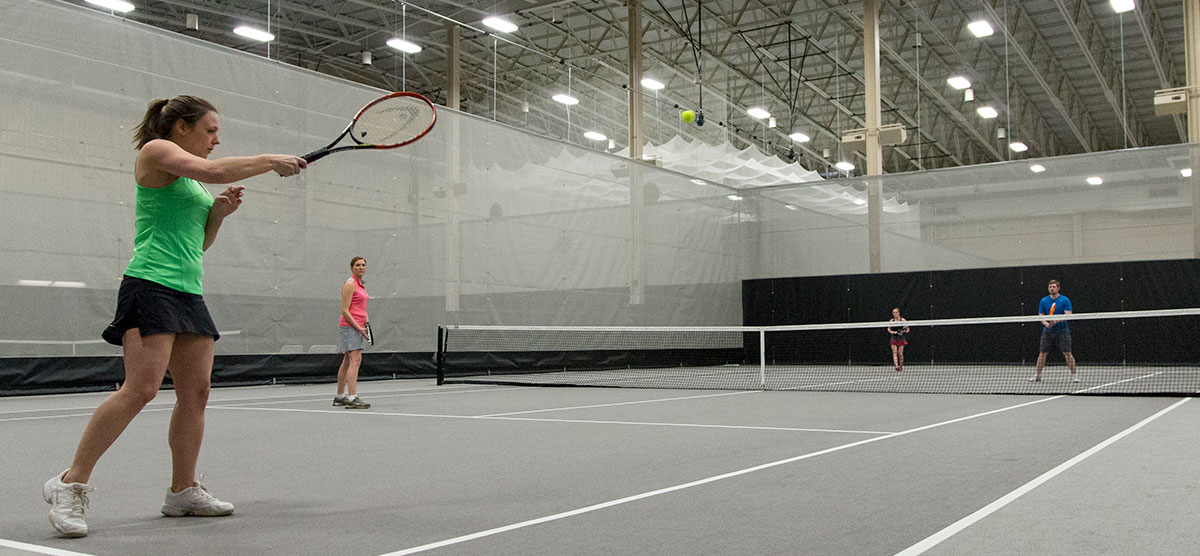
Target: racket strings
[393,121]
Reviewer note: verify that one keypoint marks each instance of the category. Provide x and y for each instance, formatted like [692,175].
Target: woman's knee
[138,394]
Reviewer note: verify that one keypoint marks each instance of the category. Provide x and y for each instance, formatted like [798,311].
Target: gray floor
[474,470]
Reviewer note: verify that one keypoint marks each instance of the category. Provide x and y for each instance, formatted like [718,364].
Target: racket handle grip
[315,155]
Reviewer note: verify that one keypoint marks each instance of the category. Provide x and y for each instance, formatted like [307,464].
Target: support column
[637,192]
[1191,52]
[874,151]
[453,173]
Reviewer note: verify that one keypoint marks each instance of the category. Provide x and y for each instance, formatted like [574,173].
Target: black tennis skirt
[153,308]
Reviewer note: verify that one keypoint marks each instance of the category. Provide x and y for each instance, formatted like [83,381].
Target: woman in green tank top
[161,318]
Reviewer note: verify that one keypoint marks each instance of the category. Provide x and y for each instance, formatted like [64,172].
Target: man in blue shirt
[1055,334]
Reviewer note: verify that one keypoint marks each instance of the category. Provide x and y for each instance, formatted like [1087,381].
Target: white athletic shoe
[1035,378]
[194,500]
[67,504]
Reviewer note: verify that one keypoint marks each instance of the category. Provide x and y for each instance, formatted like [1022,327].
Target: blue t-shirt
[1061,305]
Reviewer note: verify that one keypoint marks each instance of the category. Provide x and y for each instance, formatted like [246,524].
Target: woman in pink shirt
[352,336]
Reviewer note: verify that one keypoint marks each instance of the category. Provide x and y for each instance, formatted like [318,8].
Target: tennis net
[1125,352]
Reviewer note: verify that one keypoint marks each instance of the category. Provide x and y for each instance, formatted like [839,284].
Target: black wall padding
[56,375]
[986,292]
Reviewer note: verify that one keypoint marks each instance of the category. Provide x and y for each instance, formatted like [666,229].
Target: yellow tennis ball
[687,116]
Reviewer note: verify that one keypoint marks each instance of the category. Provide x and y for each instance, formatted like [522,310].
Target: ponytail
[162,114]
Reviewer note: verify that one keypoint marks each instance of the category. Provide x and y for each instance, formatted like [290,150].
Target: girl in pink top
[352,336]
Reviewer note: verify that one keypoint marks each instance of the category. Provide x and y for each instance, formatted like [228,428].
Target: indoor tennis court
[473,469]
[612,315]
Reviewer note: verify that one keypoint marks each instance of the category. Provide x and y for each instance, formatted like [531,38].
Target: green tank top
[168,247]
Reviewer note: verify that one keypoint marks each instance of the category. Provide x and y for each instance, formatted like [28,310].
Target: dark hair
[1052,282]
[162,114]
[356,259]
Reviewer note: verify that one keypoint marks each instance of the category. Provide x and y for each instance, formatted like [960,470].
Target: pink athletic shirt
[358,305]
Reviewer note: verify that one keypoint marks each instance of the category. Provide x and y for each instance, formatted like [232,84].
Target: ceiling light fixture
[1018,147]
[1186,172]
[114,5]
[1095,180]
[404,46]
[565,99]
[800,137]
[758,113]
[253,33]
[595,136]
[958,82]
[1037,168]
[844,166]
[652,84]
[500,24]
[987,112]
[1122,6]
[980,28]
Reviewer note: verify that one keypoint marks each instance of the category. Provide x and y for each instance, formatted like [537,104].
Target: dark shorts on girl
[153,308]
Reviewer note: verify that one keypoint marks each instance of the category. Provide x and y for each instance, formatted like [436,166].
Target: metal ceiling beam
[1071,15]
[1014,44]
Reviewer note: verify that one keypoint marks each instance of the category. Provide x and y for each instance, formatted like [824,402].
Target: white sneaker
[67,504]
[1035,378]
[194,500]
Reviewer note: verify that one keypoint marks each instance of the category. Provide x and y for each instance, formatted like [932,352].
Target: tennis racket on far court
[370,335]
[387,122]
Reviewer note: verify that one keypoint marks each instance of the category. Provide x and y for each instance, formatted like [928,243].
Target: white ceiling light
[52,283]
[652,84]
[800,137]
[1186,172]
[500,24]
[404,46]
[252,33]
[114,5]
[844,166]
[595,136]
[968,95]
[734,197]
[565,99]
[980,28]
[758,113]
[1018,147]
[959,82]
[1095,180]
[987,112]
[1119,6]
[1037,168]
[791,207]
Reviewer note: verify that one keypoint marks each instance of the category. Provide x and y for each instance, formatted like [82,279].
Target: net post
[440,357]
[762,357]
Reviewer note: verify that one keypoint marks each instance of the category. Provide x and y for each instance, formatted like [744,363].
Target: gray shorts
[350,340]
[1055,339]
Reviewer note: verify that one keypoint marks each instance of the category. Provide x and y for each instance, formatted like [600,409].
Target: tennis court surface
[485,469]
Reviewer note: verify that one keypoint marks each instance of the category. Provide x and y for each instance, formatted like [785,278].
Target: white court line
[644,495]
[283,399]
[540,420]
[402,394]
[39,549]
[623,403]
[956,527]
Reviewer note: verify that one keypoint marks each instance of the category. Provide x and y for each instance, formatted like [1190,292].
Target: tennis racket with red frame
[387,122]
